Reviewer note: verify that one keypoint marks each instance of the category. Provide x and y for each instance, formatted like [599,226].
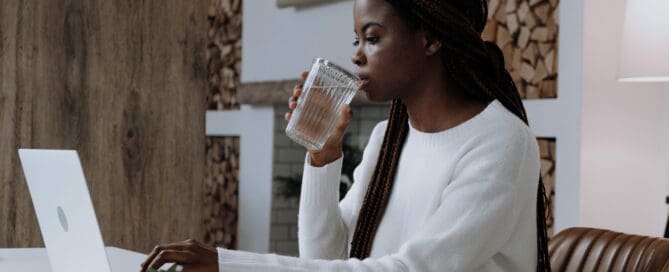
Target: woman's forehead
[373,11]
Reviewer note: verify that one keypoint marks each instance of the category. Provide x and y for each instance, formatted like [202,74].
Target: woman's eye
[372,40]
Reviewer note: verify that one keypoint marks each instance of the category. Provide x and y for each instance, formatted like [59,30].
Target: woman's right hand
[332,150]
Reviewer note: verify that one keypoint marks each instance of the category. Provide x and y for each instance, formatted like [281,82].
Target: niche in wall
[527,32]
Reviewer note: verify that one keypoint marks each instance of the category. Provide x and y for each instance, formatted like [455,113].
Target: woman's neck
[434,105]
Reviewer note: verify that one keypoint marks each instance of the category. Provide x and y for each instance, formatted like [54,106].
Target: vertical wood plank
[123,82]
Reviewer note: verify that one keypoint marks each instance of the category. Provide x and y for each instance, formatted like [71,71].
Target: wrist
[321,158]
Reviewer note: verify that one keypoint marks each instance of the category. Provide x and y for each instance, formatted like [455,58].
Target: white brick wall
[289,161]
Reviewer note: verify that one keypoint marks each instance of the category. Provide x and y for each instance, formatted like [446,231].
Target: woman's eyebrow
[368,25]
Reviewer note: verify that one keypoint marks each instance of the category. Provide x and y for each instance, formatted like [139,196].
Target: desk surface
[35,259]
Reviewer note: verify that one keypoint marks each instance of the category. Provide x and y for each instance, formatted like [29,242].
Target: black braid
[381,184]
[477,68]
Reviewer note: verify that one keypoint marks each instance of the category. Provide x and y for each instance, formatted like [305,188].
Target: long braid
[544,260]
[378,192]
[477,68]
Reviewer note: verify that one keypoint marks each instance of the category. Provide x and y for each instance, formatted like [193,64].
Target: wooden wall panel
[123,82]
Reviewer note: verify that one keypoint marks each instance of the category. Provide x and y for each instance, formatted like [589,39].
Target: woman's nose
[358,58]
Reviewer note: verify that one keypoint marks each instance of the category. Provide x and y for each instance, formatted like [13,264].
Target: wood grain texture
[298,3]
[123,82]
[277,92]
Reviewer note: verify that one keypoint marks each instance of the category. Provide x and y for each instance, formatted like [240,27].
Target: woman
[449,183]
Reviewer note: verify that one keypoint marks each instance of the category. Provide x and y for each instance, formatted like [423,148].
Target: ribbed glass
[325,92]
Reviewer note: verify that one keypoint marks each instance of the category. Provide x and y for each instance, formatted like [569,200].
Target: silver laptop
[65,212]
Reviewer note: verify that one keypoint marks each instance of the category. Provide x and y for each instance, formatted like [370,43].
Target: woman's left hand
[192,255]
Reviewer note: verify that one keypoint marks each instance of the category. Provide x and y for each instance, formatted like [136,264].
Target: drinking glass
[327,89]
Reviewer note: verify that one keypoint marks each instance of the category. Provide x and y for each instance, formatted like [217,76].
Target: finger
[172,256]
[344,118]
[292,105]
[156,250]
[304,75]
[297,90]
[194,246]
[152,256]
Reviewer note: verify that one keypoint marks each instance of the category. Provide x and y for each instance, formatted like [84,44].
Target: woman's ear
[431,45]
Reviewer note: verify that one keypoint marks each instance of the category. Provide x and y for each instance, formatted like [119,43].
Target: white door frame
[255,128]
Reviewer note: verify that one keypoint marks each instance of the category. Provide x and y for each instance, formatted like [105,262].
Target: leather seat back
[589,249]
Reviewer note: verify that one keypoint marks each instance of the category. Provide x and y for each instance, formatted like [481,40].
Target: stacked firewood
[527,33]
[547,151]
[224,54]
[221,191]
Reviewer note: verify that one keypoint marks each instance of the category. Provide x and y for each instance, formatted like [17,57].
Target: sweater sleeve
[324,223]
[322,232]
[478,212]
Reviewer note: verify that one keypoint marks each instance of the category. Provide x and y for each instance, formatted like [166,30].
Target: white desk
[36,260]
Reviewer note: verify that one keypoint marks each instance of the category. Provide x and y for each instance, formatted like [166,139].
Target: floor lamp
[644,53]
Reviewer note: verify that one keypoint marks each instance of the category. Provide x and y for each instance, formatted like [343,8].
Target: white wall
[279,44]
[561,117]
[624,162]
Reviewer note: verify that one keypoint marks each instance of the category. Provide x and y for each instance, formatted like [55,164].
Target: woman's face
[390,57]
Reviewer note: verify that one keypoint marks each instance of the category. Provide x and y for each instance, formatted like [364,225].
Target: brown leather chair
[588,249]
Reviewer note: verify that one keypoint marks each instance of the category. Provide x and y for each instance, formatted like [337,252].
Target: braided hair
[473,65]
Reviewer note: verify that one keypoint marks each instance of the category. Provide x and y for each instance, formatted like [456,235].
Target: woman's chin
[370,97]
[374,97]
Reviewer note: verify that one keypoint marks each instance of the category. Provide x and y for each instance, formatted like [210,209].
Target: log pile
[527,33]
[547,151]
[224,53]
[221,192]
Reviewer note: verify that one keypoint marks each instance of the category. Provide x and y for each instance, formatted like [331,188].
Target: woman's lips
[362,85]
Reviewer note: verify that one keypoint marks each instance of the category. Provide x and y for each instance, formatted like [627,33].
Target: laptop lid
[64,210]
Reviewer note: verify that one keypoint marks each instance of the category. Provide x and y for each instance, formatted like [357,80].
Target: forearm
[240,261]
[322,233]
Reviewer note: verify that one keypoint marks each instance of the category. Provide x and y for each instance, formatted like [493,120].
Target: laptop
[66,216]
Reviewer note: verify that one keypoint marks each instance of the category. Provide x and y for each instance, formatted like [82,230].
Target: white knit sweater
[464,199]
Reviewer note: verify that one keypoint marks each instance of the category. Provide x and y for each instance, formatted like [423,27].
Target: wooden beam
[294,3]
[277,93]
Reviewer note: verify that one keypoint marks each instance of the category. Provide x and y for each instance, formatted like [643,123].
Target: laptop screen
[64,210]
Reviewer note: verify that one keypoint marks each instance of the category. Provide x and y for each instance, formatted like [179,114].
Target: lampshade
[645,41]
